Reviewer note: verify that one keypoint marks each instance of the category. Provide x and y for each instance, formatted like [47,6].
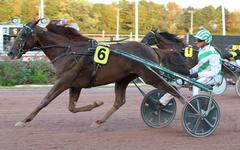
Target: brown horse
[69,53]
[170,41]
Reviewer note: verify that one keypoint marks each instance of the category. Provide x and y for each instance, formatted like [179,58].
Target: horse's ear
[36,22]
[154,29]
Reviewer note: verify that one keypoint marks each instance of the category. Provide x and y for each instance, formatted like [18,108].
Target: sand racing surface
[55,128]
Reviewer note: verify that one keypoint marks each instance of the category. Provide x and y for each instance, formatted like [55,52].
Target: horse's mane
[170,37]
[64,30]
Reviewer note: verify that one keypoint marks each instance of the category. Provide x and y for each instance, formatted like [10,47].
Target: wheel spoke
[151,103]
[209,105]
[211,125]
[198,105]
[193,108]
[167,111]
[191,115]
[213,106]
[196,125]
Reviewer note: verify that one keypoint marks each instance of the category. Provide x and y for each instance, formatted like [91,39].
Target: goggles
[199,40]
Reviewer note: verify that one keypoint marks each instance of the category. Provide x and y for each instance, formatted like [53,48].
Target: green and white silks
[209,63]
[209,67]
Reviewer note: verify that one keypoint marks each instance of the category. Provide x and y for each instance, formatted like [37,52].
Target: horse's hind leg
[74,94]
[120,99]
[156,81]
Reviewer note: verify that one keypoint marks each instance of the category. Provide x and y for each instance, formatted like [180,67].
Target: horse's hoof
[20,124]
[95,125]
[98,103]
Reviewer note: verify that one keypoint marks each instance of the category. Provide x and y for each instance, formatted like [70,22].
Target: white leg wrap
[195,90]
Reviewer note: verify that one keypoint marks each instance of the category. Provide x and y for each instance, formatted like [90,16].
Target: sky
[231,5]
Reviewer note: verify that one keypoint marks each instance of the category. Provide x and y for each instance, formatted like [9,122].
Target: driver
[233,55]
[208,70]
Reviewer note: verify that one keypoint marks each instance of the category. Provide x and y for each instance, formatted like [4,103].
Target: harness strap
[93,46]
[94,74]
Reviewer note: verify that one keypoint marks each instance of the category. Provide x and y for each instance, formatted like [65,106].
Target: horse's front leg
[120,91]
[74,94]
[57,89]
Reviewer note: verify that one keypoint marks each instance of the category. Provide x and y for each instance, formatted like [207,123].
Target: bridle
[29,31]
[150,38]
[157,43]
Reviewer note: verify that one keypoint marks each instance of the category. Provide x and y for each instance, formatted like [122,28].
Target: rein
[67,53]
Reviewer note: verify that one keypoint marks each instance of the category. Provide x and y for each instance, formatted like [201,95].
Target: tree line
[95,18]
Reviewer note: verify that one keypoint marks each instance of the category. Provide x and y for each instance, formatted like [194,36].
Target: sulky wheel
[219,89]
[155,114]
[237,86]
[200,116]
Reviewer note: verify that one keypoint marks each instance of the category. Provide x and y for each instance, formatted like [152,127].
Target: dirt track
[57,128]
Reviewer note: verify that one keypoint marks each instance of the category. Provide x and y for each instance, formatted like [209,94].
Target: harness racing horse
[166,40]
[169,48]
[71,55]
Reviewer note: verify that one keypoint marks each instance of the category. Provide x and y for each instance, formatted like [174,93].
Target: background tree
[94,18]
[186,20]
[151,15]
[29,10]
[7,10]
[54,8]
[174,13]
[105,21]
[126,17]
[16,8]
[211,18]
[82,12]
[233,23]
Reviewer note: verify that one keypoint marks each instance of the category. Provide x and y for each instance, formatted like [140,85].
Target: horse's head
[161,39]
[150,37]
[25,40]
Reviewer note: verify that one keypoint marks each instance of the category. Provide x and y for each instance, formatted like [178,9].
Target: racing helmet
[204,34]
